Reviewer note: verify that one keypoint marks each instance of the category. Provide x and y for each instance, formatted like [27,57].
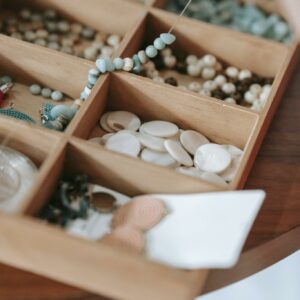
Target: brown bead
[219,94]
[181,67]
[171,81]
[238,97]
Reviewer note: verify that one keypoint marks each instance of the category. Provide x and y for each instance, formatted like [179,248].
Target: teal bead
[46,92]
[92,80]
[62,110]
[101,65]
[110,65]
[168,38]
[35,89]
[151,51]
[136,64]
[57,96]
[159,44]
[281,29]
[118,63]
[5,79]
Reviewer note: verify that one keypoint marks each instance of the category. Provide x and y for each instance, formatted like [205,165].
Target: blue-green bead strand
[151,51]
[159,44]
[168,38]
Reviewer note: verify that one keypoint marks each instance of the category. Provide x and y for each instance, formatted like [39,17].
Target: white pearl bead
[193,70]
[257,106]
[128,64]
[170,61]
[264,97]
[220,80]
[191,59]
[228,88]
[209,85]
[267,88]
[194,86]
[113,40]
[255,89]
[230,100]
[249,97]
[209,60]
[232,72]
[244,74]
[208,73]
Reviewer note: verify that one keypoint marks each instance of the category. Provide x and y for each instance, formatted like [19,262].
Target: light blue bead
[118,63]
[151,51]
[83,95]
[136,64]
[168,38]
[110,65]
[94,72]
[63,110]
[57,96]
[35,89]
[159,44]
[92,79]
[5,79]
[101,65]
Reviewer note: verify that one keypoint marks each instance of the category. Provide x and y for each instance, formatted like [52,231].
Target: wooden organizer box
[29,243]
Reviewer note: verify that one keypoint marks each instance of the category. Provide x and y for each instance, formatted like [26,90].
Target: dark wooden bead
[171,81]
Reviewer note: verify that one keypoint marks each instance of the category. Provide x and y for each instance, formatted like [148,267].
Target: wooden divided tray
[30,244]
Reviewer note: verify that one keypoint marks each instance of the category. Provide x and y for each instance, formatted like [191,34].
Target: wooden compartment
[220,124]
[291,9]
[47,68]
[30,244]
[91,15]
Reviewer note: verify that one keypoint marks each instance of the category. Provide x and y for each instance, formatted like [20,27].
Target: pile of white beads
[164,143]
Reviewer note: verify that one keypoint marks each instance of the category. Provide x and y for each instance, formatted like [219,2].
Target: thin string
[179,16]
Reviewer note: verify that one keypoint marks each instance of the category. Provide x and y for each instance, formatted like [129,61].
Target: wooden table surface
[276,170]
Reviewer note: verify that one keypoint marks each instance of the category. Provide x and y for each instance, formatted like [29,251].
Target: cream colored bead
[78,103]
[228,88]
[142,56]
[170,61]
[220,80]
[250,97]
[166,52]
[191,59]
[209,85]
[209,60]
[232,72]
[208,73]
[113,40]
[128,64]
[193,70]
[244,74]
[230,100]
[255,89]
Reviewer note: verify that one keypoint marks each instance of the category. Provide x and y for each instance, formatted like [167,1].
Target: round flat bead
[151,51]
[128,64]
[178,153]
[46,92]
[192,171]
[35,89]
[213,178]
[94,72]
[158,158]
[191,140]
[152,142]
[159,128]
[229,174]
[125,143]
[119,120]
[142,57]
[103,122]
[57,96]
[118,63]
[168,38]
[212,158]
[136,64]
[159,44]
[233,150]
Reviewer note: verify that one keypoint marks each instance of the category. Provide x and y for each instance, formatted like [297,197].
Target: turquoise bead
[63,110]
[110,65]
[101,65]
[92,79]
[159,44]
[83,95]
[118,63]
[136,64]
[168,38]
[151,51]
[57,96]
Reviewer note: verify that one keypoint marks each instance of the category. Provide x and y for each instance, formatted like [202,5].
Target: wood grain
[276,170]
